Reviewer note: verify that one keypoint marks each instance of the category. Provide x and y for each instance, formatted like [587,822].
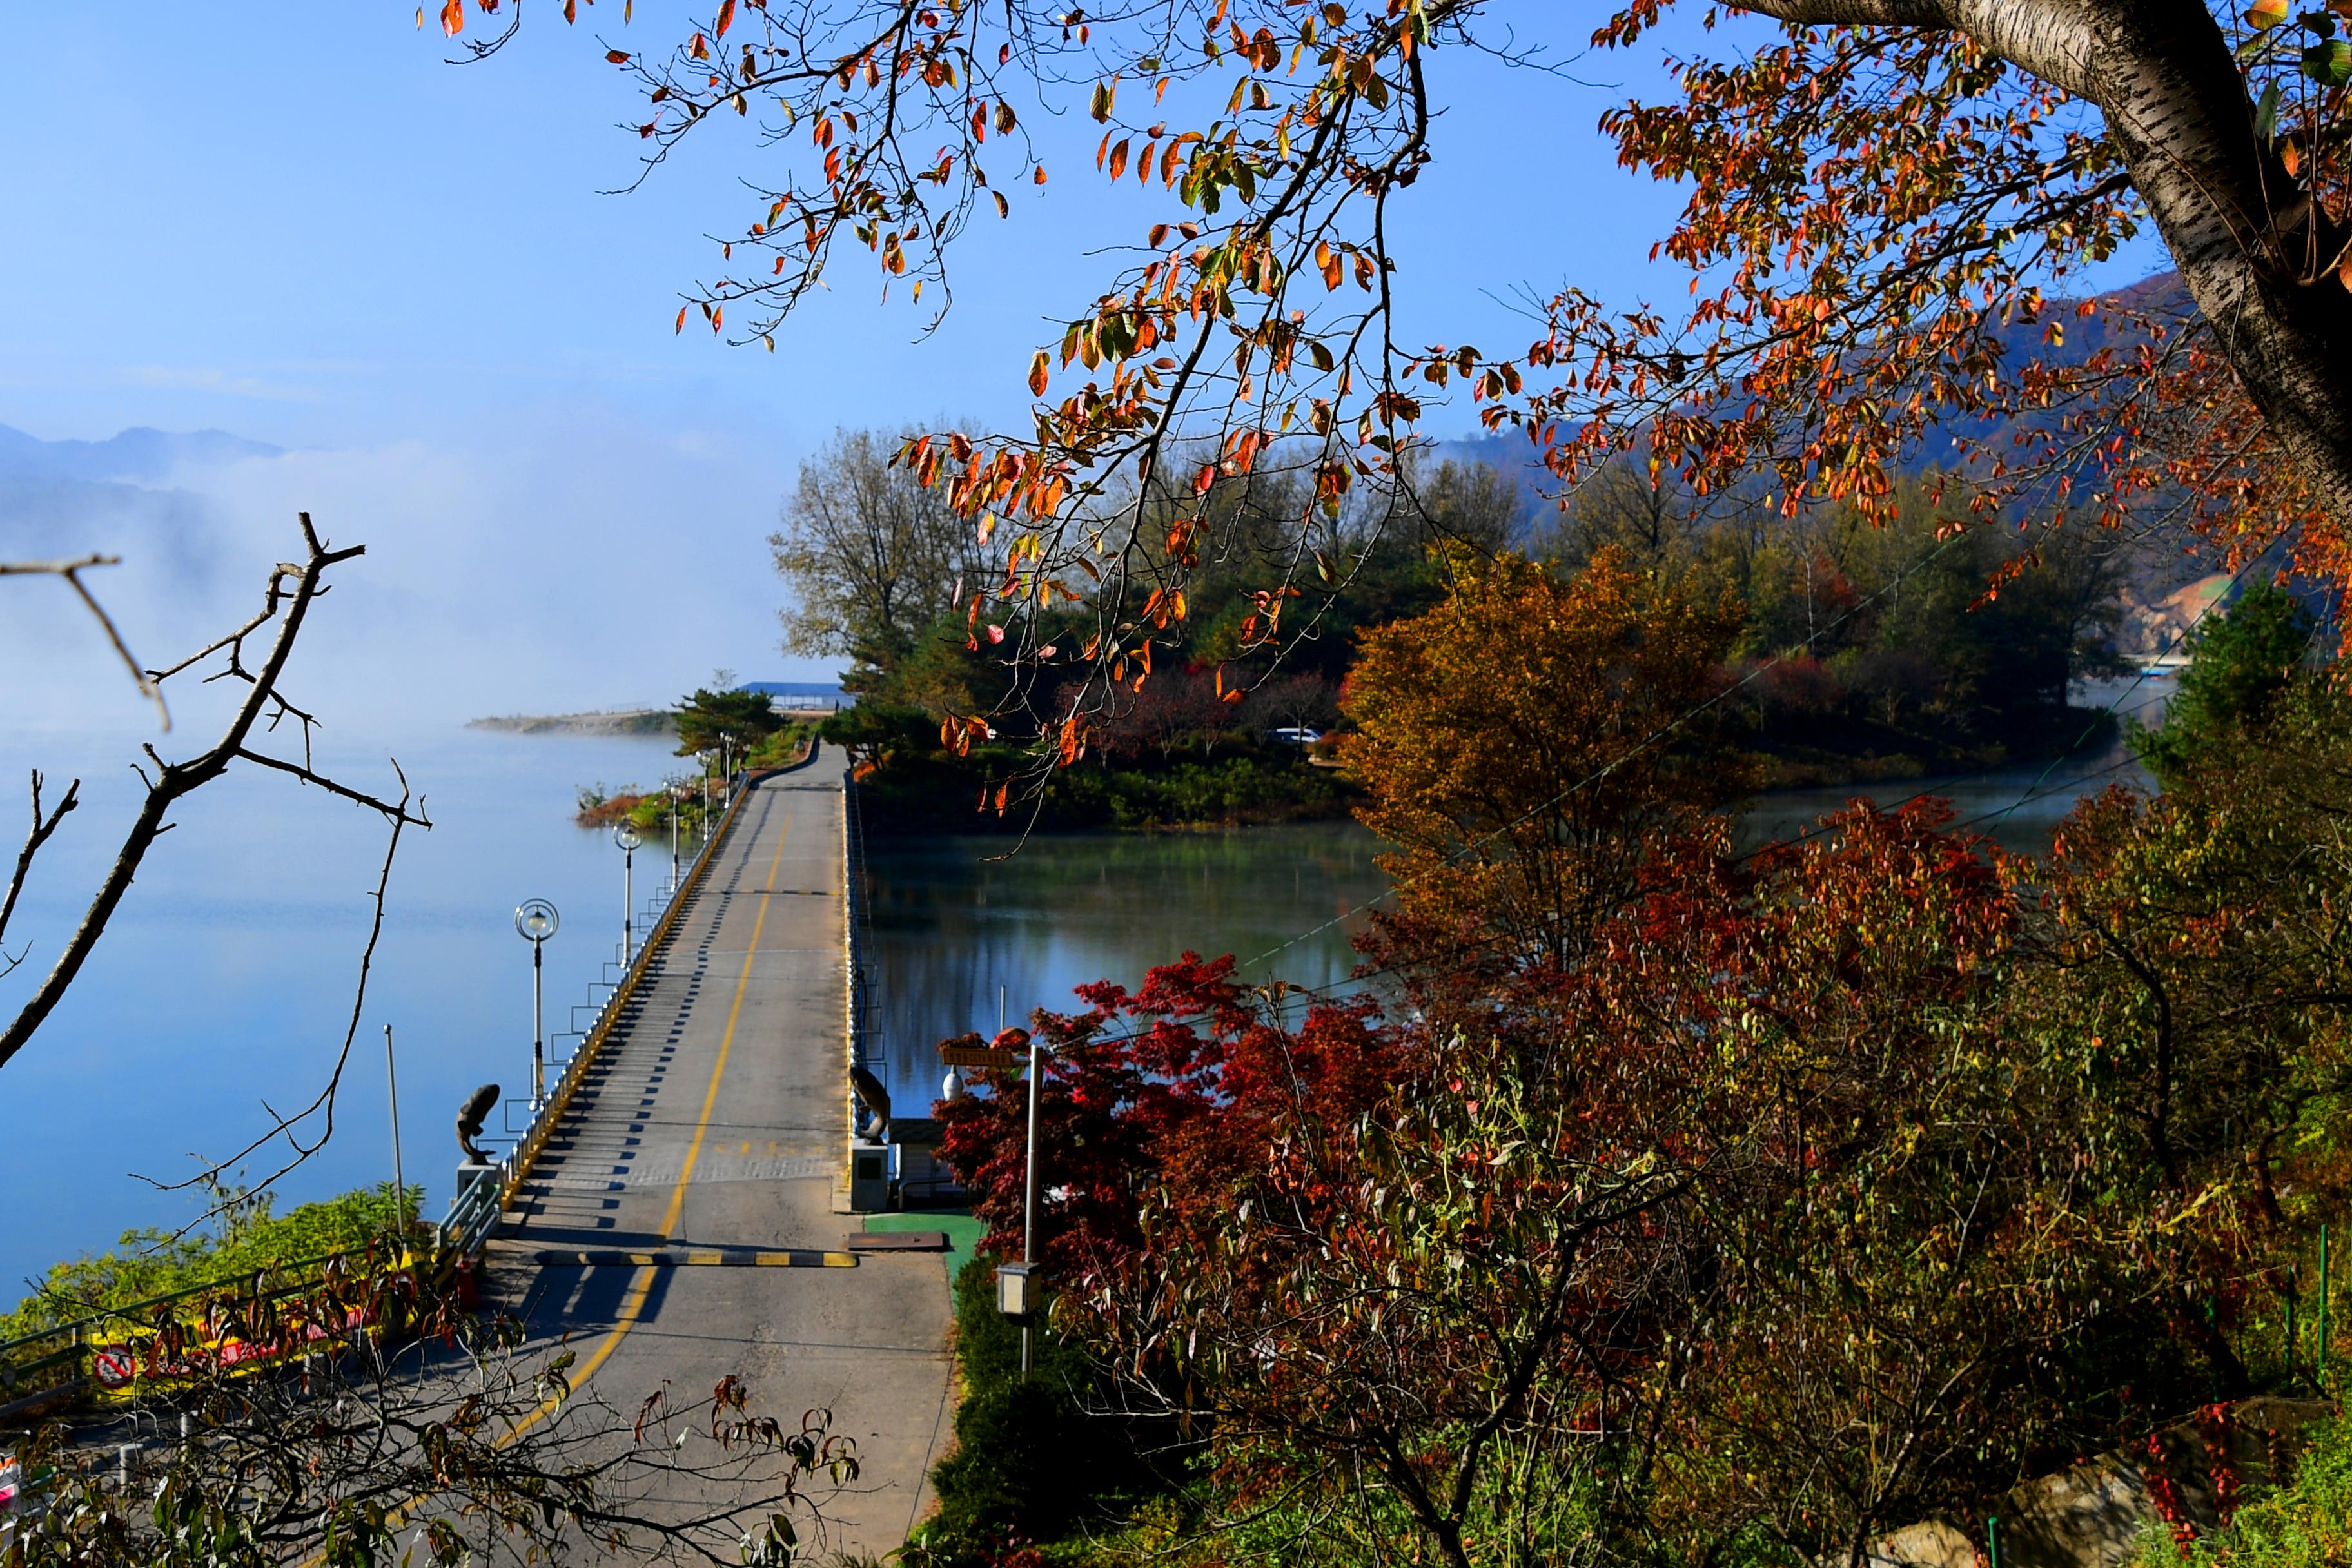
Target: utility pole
[399,1179]
[1029,1176]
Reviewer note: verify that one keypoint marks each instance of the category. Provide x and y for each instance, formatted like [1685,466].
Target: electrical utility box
[869,1177]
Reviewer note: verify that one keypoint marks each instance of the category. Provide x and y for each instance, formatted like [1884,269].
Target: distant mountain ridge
[137,455]
[69,498]
[2161,294]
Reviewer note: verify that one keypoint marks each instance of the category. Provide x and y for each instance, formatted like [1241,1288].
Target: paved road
[716,1119]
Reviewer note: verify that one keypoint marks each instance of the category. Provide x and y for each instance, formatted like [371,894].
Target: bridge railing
[58,1365]
[474,1211]
[856,931]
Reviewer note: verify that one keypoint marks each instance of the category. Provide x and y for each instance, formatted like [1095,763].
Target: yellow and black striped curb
[795,1258]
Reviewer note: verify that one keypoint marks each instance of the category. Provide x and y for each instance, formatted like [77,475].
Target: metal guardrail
[856,934]
[50,1365]
[471,1213]
[474,1213]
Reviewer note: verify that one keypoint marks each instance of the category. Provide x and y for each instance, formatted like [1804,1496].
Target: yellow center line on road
[633,1303]
[642,1286]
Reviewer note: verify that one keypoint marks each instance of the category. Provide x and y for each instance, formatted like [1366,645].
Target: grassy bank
[247,1238]
[1037,1461]
[920,786]
[1787,754]
[648,810]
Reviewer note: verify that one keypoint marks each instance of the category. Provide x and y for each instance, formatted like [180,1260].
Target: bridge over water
[677,1218]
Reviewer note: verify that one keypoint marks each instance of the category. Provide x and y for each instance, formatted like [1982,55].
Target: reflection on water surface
[950,925]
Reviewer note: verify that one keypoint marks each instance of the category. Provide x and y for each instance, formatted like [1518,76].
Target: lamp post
[1029,1202]
[672,792]
[1016,1285]
[627,837]
[535,921]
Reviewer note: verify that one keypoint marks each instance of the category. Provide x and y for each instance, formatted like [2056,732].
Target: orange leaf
[453,17]
[617,57]
[1037,374]
[726,17]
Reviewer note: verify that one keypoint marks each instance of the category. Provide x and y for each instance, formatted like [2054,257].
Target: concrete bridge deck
[713,1127]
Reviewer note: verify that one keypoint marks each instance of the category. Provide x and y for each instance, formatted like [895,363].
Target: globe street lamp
[627,836]
[672,792]
[535,921]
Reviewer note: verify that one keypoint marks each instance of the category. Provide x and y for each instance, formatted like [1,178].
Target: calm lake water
[951,925]
[226,979]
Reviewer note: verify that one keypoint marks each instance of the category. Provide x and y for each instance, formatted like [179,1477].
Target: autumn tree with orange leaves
[1521,743]
[1891,206]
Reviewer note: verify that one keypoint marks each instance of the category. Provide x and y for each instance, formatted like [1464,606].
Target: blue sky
[301,225]
[306,226]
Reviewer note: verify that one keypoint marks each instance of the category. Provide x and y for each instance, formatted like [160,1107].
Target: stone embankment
[2092,1515]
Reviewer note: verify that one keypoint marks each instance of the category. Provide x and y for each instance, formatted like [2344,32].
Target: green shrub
[247,1238]
[2306,1524]
[1032,1465]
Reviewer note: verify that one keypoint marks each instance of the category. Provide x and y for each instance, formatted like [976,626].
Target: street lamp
[672,792]
[535,921]
[627,836]
[1016,1287]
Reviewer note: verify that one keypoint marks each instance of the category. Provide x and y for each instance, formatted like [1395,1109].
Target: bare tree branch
[287,604]
[321,1105]
[150,685]
[43,827]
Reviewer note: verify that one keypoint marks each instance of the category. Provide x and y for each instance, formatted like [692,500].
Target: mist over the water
[563,565]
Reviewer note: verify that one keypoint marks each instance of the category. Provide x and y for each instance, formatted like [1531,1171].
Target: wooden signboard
[979,1056]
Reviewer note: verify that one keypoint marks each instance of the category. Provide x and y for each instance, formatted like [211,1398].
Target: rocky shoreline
[614,721]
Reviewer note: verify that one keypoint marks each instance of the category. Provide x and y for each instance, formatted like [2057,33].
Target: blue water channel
[226,979]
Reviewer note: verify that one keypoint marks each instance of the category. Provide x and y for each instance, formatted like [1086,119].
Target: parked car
[1297,735]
